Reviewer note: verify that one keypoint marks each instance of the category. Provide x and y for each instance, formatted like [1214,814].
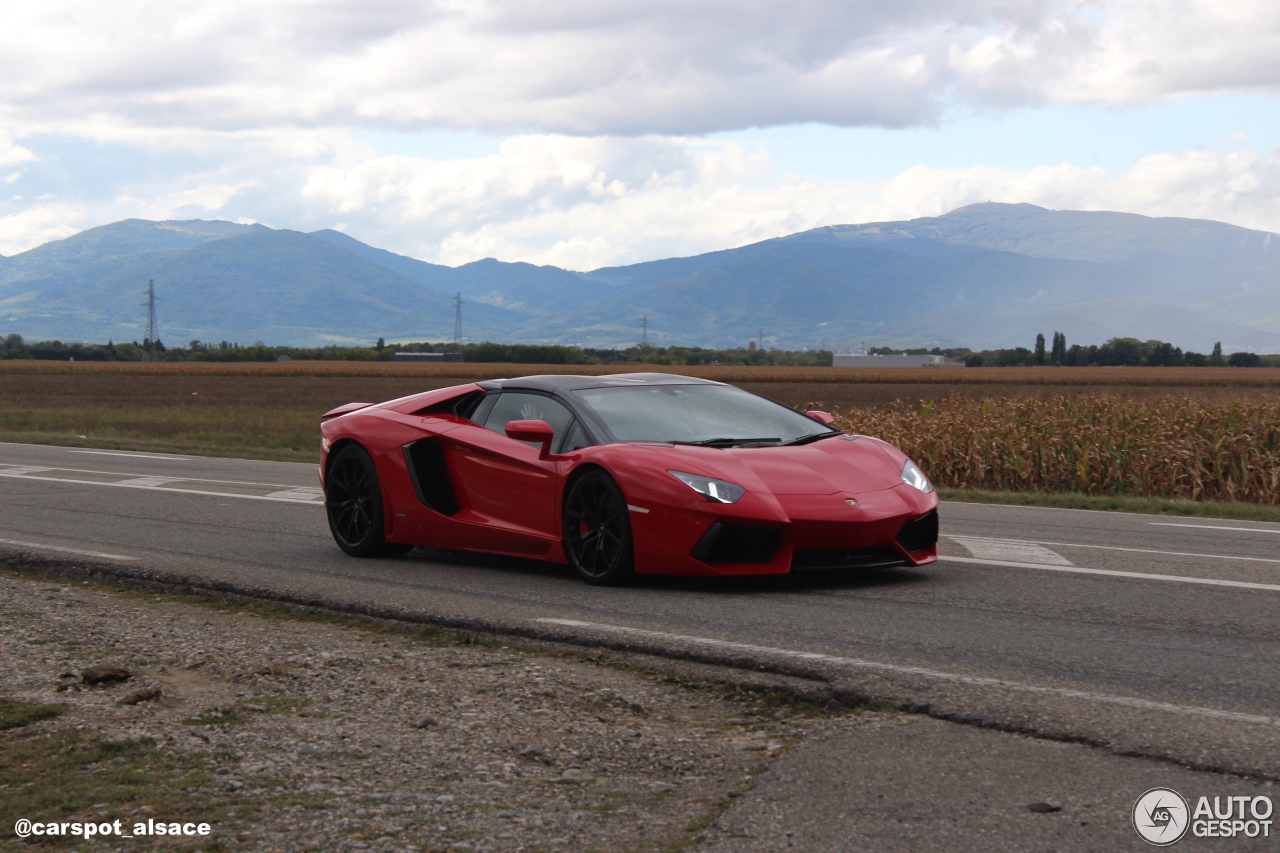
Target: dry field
[1097,445]
[1203,433]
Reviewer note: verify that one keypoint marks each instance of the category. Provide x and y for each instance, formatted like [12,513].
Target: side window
[575,439]
[515,406]
[482,410]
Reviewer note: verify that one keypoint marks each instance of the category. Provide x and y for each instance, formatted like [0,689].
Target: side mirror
[534,432]
[822,417]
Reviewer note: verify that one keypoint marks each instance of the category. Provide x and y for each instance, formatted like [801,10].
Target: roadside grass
[77,776]
[14,715]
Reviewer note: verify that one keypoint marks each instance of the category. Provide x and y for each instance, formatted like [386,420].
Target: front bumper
[785,533]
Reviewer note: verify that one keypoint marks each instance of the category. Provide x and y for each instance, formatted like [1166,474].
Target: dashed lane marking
[44,547]
[134,455]
[1010,550]
[1132,550]
[939,675]
[1080,570]
[302,494]
[1211,527]
[181,485]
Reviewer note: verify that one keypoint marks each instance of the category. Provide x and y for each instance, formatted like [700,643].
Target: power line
[644,334]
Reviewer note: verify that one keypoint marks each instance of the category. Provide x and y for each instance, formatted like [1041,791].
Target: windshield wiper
[809,439]
[726,442]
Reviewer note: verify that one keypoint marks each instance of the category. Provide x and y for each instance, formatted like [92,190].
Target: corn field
[1098,445]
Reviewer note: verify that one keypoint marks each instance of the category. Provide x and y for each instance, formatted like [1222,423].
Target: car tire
[353,503]
[597,530]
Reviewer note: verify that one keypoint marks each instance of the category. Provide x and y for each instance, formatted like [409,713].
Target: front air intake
[738,543]
[883,557]
[919,534]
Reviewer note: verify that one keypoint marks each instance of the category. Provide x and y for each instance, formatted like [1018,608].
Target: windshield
[694,413]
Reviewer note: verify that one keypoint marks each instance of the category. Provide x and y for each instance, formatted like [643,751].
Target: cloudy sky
[584,133]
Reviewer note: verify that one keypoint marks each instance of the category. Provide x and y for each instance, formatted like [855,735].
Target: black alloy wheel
[353,502]
[597,530]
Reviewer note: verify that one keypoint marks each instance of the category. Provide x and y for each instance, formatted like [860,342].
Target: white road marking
[1011,550]
[133,455]
[1131,550]
[148,481]
[66,550]
[984,681]
[160,476]
[128,485]
[22,470]
[302,494]
[1114,573]
[1212,527]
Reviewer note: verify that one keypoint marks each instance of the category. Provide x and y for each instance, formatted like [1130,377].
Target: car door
[503,482]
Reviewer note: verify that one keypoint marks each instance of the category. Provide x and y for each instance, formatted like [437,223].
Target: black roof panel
[552,383]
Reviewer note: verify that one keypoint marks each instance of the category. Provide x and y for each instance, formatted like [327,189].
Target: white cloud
[590,67]
[248,110]
[585,203]
[12,154]
[38,224]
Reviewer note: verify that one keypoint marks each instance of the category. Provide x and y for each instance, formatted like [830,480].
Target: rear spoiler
[344,410]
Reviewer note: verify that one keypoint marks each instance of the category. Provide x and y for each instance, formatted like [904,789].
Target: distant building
[864,360]
[428,356]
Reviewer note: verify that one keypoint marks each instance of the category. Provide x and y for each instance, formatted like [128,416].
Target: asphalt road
[1150,636]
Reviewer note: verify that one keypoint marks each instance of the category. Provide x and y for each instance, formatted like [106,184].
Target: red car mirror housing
[823,418]
[537,432]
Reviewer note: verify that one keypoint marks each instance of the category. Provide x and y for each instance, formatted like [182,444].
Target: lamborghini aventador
[615,475]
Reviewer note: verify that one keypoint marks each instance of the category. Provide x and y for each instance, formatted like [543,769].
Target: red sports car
[614,475]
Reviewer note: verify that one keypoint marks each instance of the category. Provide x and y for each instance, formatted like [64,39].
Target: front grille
[430,476]
[883,557]
[920,533]
[738,543]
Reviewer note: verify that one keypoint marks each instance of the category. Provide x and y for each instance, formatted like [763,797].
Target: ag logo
[1161,817]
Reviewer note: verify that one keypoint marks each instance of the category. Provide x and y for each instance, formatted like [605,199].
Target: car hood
[825,467]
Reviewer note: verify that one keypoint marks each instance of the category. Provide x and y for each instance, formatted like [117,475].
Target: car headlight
[716,491]
[914,477]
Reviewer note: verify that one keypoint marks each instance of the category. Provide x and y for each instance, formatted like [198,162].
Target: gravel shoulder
[293,733]
[287,731]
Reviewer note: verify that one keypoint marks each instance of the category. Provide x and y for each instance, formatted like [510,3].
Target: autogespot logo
[1160,816]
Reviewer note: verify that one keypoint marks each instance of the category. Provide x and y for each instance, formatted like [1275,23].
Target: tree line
[1118,352]
[13,346]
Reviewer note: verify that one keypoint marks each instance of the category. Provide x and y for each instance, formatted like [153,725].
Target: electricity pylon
[457,321]
[152,329]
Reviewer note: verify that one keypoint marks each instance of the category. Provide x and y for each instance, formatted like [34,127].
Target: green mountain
[520,287]
[981,276]
[1082,235]
[119,238]
[259,284]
